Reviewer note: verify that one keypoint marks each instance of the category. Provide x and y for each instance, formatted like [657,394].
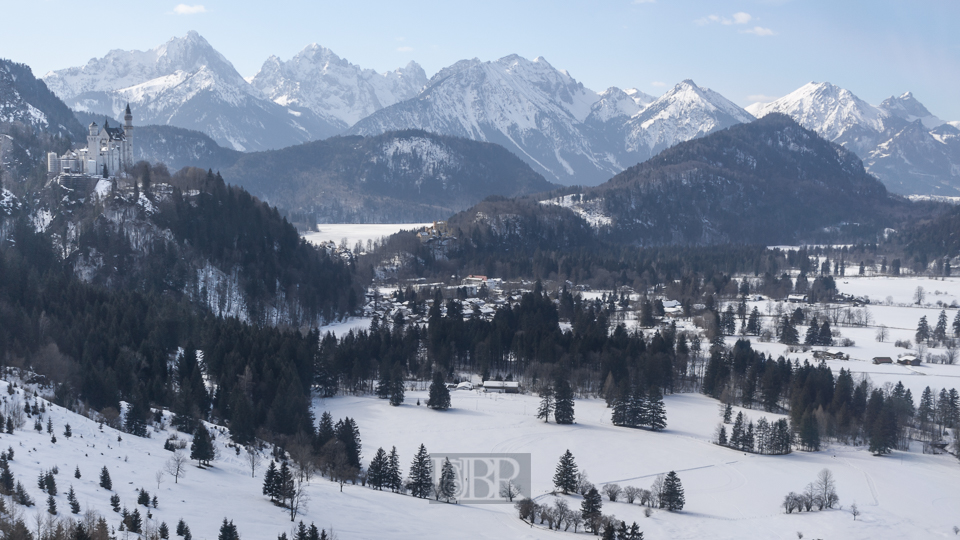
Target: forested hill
[767,182]
[403,176]
[32,121]
[190,235]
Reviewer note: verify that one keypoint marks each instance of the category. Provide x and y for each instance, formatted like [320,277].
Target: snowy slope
[188,84]
[333,88]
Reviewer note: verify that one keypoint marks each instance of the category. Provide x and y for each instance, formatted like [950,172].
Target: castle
[108,152]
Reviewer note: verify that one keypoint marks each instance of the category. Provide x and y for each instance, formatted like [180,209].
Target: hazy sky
[747,50]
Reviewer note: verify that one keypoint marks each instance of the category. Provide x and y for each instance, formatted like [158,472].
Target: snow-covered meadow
[729,494]
[357,232]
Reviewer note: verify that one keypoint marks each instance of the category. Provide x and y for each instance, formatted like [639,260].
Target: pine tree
[202,447]
[638,410]
[813,333]
[270,482]
[826,335]
[377,471]
[393,476]
[926,409]
[809,432]
[753,322]
[672,499]
[446,486]
[181,527]
[563,407]
[396,388]
[421,474]
[51,505]
[727,413]
[923,330]
[546,404]
[722,436]
[74,503]
[439,394]
[565,477]
[228,531]
[621,408]
[105,481]
[956,325]
[591,507]
[383,386]
[325,431]
[883,433]
[736,433]
[76,472]
[788,332]
[164,531]
[284,484]
[940,332]
[656,411]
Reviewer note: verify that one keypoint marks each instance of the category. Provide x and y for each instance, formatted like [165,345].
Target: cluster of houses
[903,360]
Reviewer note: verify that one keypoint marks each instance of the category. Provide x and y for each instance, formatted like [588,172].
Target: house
[109,151]
[830,355]
[797,298]
[908,360]
[501,387]
[882,360]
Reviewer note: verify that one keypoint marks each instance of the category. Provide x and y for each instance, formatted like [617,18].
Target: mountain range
[568,133]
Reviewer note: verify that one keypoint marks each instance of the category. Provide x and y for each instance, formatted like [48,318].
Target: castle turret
[127,145]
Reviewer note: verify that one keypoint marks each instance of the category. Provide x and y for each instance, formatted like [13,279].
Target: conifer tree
[563,408]
[228,531]
[672,498]
[439,393]
[420,481]
[727,413]
[74,503]
[565,477]
[656,411]
[736,433]
[446,486]
[51,505]
[105,481]
[270,482]
[202,447]
[396,388]
[393,476]
[826,335]
[76,472]
[546,404]
[788,332]
[722,436]
[812,336]
[591,507]
[163,530]
[383,386]
[923,330]
[940,331]
[325,431]
[377,471]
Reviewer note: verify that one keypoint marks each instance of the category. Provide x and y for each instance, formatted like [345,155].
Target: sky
[748,50]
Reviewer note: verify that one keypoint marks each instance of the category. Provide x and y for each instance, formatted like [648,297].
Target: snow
[358,232]
[591,210]
[827,109]
[103,189]
[342,328]
[42,219]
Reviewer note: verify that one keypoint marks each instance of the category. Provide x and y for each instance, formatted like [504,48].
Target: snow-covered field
[729,494]
[358,232]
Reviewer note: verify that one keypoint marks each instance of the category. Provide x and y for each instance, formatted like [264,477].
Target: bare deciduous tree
[656,490]
[631,493]
[509,490]
[299,499]
[176,466]
[882,333]
[158,476]
[854,510]
[612,491]
[253,460]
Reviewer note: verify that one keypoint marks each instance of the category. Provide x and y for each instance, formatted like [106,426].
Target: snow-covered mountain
[339,92]
[565,131]
[186,83]
[531,108]
[25,100]
[901,142]
[685,112]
